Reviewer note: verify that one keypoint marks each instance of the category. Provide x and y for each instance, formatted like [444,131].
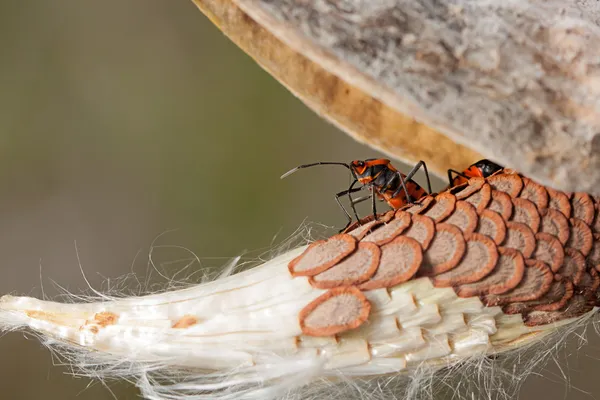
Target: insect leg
[414,171]
[344,193]
[402,187]
[373,205]
[455,172]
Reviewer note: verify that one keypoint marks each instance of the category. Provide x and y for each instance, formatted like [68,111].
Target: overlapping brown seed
[445,251]
[322,254]
[468,189]
[464,217]
[525,212]
[580,236]
[501,203]
[575,307]
[593,259]
[506,275]
[519,237]
[583,207]
[442,208]
[479,260]
[560,292]
[549,250]
[555,223]
[400,260]
[419,206]
[596,224]
[559,201]
[536,282]
[492,225]
[510,184]
[352,270]
[422,230]
[535,193]
[335,311]
[386,233]
[546,275]
[480,199]
[573,267]
[359,231]
[589,284]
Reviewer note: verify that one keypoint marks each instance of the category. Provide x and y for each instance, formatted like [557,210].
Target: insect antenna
[312,165]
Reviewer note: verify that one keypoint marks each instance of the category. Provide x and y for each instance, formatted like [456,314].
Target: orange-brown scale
[464,217]
[524,211]
[559,201]
[501,203]
[479,199]
[535,193]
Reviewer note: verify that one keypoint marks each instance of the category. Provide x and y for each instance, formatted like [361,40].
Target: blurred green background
[120,121]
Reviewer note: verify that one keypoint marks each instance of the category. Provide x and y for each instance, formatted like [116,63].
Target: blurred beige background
[122,120]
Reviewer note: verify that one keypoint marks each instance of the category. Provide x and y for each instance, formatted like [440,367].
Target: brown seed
[479,260]
[442,208]
[501,203]
[589,284]
[581,237]
[492,225]
[559,201]
[549,250]
[525,212]
[359,231]
[575,307]
[583,207]
[555,223]
[444,252]
[593,258]
[386,233]
[536,282]
[560,292]
[336,311]
[352,270]
[596,224]
[480,199]
[557,297]
[466,190]
[321,255]
[573,267]
[422,230]
[400,260]
[510,184]
[420,205]
[535,193]
[520,237]
[464,217]
[506,275]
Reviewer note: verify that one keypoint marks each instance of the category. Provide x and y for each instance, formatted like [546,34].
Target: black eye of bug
[360,163]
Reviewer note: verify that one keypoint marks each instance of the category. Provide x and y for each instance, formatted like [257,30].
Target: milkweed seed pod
[483,270]
[516,82]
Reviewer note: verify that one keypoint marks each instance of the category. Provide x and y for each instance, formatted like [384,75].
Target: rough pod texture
[516,81]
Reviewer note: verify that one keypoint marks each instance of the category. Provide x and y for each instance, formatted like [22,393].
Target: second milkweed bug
[382,179]
[482,168]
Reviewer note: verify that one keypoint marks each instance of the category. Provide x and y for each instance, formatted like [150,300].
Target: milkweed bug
[482,168]
[382,179]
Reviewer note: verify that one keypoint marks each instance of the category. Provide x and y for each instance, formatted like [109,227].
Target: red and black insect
[482,168]
[382,179]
